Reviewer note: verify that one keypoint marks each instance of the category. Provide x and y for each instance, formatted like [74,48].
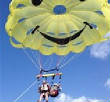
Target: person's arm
[49,87]
[60,88]
[39,89]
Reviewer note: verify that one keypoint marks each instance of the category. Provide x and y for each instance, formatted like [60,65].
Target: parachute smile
[63,41]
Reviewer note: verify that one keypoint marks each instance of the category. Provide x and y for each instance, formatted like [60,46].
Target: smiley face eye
[36,2]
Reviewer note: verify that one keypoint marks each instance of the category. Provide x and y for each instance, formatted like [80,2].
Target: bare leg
[41,96]
[46,96]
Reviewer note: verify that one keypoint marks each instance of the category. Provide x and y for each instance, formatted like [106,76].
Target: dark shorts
[44,91]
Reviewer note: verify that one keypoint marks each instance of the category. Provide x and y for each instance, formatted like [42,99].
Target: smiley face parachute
[106,10]
[57,26]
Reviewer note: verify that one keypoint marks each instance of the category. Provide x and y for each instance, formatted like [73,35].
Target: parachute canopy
[57,26]
[106,10]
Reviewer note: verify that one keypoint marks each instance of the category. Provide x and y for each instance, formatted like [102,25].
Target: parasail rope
[49,62]
[40,63]
[25,91]
[37,58]
[35,64]
[59,61]
[63,60]
[69,60]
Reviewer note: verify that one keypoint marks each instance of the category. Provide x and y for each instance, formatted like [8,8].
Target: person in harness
[55,89]
[44,90]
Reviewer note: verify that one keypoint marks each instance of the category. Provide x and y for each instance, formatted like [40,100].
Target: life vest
[44,87]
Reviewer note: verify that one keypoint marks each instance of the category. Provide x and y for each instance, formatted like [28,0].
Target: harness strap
[54,69]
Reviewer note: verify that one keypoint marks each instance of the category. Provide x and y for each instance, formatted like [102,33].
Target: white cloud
[100,50]
[107,84]
[66,98]
[107,35]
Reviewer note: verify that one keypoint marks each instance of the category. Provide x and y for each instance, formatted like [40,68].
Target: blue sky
[85,76]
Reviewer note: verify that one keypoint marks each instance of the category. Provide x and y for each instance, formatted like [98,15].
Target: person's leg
[46,96]
[41,96]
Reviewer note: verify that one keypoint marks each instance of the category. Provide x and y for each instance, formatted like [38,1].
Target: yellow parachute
[57,26]
[106,11]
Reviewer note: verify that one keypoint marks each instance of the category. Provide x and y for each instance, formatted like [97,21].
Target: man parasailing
[44,90]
